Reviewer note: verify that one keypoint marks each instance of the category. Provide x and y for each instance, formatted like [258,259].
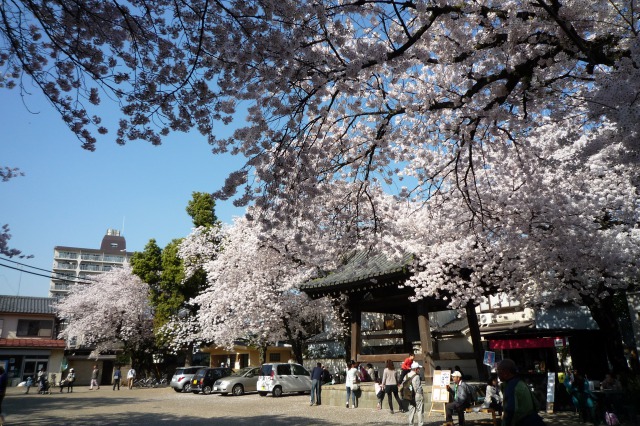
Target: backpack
[407,390]
[471,394]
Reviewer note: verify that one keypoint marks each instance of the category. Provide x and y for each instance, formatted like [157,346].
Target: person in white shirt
[351,382]
[493,397]
[131,376]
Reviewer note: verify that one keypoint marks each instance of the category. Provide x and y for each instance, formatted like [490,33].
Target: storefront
[24,362]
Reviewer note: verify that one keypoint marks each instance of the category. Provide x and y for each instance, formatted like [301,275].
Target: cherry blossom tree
[500,121]
[559,225]
[253,294]
[356,90]
[111,313]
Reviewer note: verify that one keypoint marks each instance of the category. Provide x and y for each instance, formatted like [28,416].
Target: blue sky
[70,197]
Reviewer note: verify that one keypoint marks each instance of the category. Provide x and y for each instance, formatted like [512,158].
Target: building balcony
[66,255]
[61,287]
[67,266]
[96,268]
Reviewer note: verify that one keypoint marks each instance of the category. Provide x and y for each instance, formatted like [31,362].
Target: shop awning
[541,342]
[33,343]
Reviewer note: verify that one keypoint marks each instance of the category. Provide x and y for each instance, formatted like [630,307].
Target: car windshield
[266,370]
[242,371]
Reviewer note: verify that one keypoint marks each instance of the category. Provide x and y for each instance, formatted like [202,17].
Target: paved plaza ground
[163,406]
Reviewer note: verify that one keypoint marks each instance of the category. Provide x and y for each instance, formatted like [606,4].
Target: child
[406,366]
[379,392]
[29,383]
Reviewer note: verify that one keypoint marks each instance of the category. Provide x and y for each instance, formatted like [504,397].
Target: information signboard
[439,392]
[441,379]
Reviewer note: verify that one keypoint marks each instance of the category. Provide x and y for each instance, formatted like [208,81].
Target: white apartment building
[75,265]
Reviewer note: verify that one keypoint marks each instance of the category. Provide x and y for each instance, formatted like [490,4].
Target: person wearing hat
[71,377]
[417,405]
[461,399]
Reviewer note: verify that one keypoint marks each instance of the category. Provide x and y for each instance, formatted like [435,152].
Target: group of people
[70,379]
[388,385]
[514,400]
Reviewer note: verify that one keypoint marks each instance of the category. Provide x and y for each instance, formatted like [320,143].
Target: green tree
[164,271]
[201,208]
[147,264]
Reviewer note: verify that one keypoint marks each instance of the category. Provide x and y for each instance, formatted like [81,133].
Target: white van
[279,378]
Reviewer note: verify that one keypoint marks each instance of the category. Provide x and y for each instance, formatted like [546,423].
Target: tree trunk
[476,340]
[604,315]
[188,356]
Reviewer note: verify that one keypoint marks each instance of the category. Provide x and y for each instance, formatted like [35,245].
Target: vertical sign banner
[489,358]
[551,390]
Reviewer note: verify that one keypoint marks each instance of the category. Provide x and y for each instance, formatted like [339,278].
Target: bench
[495,418]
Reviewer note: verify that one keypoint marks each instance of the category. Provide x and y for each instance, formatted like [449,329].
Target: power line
[46,276]
[24,264]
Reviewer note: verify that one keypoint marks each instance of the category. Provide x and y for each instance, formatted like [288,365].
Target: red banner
[542,342]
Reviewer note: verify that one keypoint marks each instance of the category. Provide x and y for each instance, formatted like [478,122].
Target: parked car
[204,379]
[243,380]
[279,378]
[181,380]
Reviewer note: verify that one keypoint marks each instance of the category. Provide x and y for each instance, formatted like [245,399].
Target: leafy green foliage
[201,208]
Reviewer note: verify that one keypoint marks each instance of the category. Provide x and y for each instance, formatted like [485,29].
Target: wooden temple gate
[375,284]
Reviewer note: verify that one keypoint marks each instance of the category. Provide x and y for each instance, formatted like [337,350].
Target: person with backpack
[415,395]
[520,407]
[462,399]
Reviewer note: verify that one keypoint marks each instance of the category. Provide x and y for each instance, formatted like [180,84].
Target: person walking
[131,376]
[94,378]
[351,381]
[117,375]
[390,384]
[416,407]
[519,403]
[316,384]
[3,390]
[29,384]
[71,378]
[461,399]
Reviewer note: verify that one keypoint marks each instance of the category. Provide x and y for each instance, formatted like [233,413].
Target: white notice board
[441,379]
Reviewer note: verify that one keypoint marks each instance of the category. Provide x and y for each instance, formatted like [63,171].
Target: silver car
[181,380]
[279,378]
[243,380]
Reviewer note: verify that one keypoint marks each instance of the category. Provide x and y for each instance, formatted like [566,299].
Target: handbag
[355,386]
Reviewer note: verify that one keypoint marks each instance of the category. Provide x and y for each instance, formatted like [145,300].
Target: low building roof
[33,343]
[360,269]
[27,305]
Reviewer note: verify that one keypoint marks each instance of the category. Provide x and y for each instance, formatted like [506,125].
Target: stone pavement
[163,406]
